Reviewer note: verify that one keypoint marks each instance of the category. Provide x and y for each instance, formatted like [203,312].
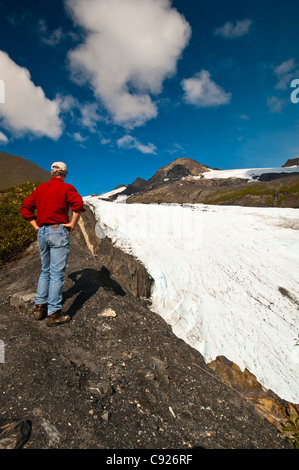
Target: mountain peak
[292,162]
[194,167]
[177,169]
[18,170]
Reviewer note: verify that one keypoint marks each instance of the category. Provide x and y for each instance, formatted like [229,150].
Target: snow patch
[110,193]
[225,279]
[247,173]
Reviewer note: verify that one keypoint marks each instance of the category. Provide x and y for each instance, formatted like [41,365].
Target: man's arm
[33,223]
[72,224]
[28,210]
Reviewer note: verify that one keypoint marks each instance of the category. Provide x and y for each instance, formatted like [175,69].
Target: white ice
[225,279]
[246,173]
[112,193]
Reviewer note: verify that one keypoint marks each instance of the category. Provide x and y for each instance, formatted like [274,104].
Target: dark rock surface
[174,171]
[177,169]
[112,380]
[128,274]
[272,191]
[135,187]
[275,176]
[291,162]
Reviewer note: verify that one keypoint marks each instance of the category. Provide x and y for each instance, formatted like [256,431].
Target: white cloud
[285,67]
[203,92]
[3,138]
[131,47]
[176,148]
[129,142]
[285,72]
[105,141]
[90,116]
[2,92]
[84,114]
[66,103]
[231,31]
[51,39]
[78,137]
[276,104]
[26,108]
[54,37]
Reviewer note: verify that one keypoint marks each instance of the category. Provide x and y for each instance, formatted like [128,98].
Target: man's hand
[69,226]
[34,224]
[72,224]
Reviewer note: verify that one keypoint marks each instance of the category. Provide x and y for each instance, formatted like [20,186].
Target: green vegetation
[289,192]
[273,196]
[232,194]
[293,430]
[15,233]
[291,426]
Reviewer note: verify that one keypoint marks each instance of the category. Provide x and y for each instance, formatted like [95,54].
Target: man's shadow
[86,284]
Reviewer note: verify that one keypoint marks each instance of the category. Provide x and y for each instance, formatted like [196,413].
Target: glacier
[225,279]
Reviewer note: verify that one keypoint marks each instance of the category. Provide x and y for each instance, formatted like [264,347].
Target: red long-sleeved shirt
[52,201]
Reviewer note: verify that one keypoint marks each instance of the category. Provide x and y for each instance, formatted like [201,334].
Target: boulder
[123,268]
[14,435]
[23,301]
[275,409]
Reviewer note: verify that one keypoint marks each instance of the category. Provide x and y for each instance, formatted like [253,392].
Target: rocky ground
[270,191]
[121,381]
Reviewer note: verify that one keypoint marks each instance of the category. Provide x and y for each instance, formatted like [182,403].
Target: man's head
[59,169]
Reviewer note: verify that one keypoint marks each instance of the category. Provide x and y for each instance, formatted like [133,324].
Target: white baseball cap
[59,166]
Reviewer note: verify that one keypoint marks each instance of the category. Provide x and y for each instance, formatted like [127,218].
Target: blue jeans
[54,249]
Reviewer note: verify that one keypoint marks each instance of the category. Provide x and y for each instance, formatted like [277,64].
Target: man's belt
[52,225]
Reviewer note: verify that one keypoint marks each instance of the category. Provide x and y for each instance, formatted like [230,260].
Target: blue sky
[119,88]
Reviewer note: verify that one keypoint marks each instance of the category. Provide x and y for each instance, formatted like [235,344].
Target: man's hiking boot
[40,312]
[57,318]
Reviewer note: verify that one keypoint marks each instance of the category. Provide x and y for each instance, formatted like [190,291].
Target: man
[52,201]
